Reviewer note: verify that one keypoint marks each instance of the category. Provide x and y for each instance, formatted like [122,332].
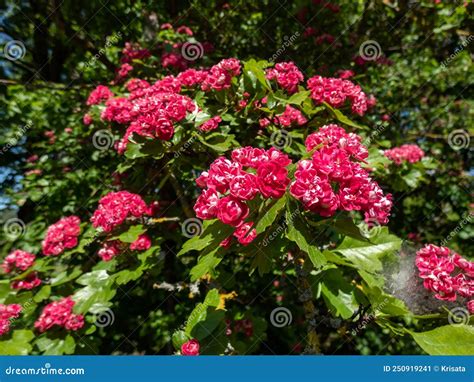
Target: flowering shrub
[262,176]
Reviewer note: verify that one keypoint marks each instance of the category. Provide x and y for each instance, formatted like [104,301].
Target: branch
[305,295]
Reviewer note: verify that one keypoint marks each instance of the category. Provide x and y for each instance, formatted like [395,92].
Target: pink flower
[220,76]
[245,234]
[99,94]
[18,259]
[124,70]
[133,52]
[287,75]
[61,235]
[115,207]
[470,306]
[109,250]
[445,273]
[335,91]
[406,153]
[289,117]
[141,244]
[59,313]
[87,119]
[29,282]
[231,211]
[206,205]
[211,124]
[244,187]
[7,314]
[190,348]
[184,30]
[272,179]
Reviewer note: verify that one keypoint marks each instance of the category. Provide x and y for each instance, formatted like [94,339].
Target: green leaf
[299,233]
[42,294]
[339,295]
[179,338]
[206,264]
[19,344]
[56,346]
[298,98]
[342,118]
[132,234]
[366,255]
[205,317]
[270,215]
[447,340]
[213,233]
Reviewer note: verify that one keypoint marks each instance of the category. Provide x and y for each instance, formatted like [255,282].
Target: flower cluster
[7,314]
[211,124]
[18,259]
[290,117]
[335,162]
[406,153]
[115,207]
[228,186]
[244,326]
[110,249]
[99,94]
[133,51]
[335,91]
[142,243]
[59,313]
[61,235]
[446,273]
[220,76]
[29,282]
[190,347]
[287,75]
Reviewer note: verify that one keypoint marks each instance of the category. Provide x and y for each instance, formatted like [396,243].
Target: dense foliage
[249,178]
